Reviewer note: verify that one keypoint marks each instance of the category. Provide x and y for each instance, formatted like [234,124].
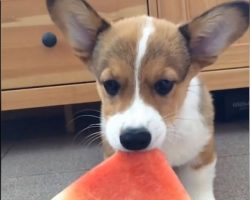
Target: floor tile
[49,155]
[39,187]
[5,148]
[232,181]
[231,139]
[37,168]
[244,124]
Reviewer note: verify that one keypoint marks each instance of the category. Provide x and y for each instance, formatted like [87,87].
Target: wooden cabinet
[35,76]
[27,62]
[231,70]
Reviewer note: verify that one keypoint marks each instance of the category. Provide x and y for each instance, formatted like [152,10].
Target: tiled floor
[39,167]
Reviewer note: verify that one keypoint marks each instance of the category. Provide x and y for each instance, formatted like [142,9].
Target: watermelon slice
[128,176]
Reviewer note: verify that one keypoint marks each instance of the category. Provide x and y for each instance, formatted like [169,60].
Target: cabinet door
[180,11]
[27,63]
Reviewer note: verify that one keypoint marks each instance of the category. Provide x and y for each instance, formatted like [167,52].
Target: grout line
[234,155]
[50,173]
[7,151]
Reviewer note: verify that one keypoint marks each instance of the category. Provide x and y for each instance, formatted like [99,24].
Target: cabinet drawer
[26,62]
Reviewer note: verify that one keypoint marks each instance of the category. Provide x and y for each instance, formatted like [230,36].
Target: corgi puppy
[146,75]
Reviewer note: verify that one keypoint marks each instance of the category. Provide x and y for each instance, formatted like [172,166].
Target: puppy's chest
[185,141]
[189,133]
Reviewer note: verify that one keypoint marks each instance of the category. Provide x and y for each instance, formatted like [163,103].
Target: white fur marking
[198,182]
[141,49]
[188,129]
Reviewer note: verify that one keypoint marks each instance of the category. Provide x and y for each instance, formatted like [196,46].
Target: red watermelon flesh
[128,176]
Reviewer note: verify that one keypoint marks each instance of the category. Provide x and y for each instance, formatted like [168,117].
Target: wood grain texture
[153,8]
[82,93]
[172,10]
[236,56]
[22,11]
[27,62]
[49,96]
[180,11]
[226,79]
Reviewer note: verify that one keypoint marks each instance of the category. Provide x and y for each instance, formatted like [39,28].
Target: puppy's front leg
[198,181]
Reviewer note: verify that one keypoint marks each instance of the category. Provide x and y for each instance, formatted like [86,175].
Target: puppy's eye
[112,87]
[163,87]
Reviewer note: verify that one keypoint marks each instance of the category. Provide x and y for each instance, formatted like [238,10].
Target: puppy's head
[143,65]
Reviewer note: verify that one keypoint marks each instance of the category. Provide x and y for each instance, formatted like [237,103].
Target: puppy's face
[142,78]
[143,65]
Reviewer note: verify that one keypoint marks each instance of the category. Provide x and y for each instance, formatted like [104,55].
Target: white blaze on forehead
[147,30]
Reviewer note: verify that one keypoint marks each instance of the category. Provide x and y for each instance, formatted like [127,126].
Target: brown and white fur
[137,53]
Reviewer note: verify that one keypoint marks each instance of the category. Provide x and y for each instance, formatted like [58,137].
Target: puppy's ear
[213,31]
[79,22]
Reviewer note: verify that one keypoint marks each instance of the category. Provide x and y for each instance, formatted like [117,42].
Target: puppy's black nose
[135,138]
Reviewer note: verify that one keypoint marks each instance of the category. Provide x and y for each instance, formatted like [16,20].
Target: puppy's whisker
[171,126]
[172,133]
[94,137]
[168,118]
[86,142]
[173,136]
[189,119]
[81,116]
[93,134]
[100,143]
[86,111]
[92,141]
[177,118]
[169,115]
[91,126]
[87,115]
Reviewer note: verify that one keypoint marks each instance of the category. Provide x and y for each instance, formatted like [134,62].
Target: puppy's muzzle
[135,138]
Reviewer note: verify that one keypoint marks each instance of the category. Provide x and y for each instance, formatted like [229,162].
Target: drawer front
[26,62]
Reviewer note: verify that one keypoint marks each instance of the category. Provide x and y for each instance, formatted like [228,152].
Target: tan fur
[111,54]
[163,60]
[119,103]
[170,61]
[118,45]
[167,45]
[116,61]
[207,156]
